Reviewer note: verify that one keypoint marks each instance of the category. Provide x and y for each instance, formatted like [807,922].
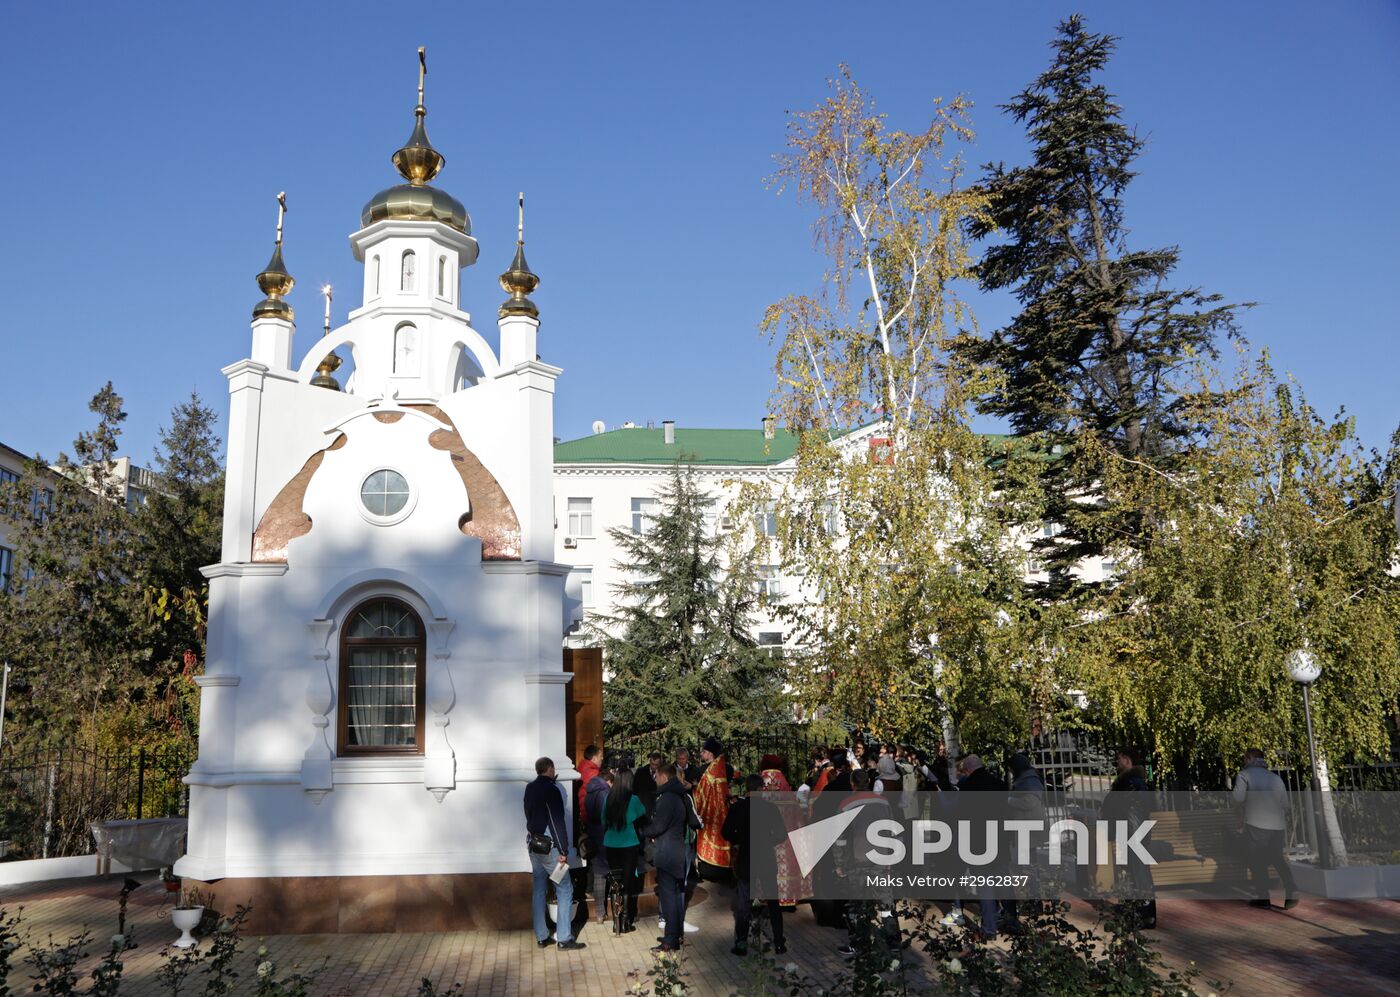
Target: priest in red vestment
[712,805]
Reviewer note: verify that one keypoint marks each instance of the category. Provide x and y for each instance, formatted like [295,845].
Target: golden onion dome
[274,280]
[416,202]
[519,281]
[417,162]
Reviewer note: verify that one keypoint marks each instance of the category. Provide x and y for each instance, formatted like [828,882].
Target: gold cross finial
[422,71]
[520,223]
[281,212]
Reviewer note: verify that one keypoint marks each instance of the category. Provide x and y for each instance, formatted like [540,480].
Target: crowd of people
[692,821]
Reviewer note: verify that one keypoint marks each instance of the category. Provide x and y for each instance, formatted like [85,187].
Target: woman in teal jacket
[621,842]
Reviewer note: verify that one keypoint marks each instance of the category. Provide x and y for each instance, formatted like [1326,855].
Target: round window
[384,493]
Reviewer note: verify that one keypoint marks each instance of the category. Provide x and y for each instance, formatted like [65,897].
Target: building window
[580,518]
[771,641]
[7,568]
[585,586]
[406,349]
[766,521]
[770,583]
[381,680]
[408,274]
[831,521]
[374,277]
[442,276]
[384,493]
[643,509]
[8,477]
[41,504]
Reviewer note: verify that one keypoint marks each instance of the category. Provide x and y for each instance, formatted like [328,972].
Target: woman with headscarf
[792,887]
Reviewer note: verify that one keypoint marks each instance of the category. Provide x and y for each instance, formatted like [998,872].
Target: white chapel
[384,658]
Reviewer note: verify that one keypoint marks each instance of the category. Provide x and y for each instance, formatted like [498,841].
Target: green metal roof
[692,446]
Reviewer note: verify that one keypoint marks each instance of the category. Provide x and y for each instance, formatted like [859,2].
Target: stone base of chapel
[328,905]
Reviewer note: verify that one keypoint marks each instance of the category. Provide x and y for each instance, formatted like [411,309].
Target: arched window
[374,277]
[406,349]
[409,274]
[382,661]
[442,277]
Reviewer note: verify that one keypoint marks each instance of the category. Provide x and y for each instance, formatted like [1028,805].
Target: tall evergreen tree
[179,528]
[1097,350]
[679,653]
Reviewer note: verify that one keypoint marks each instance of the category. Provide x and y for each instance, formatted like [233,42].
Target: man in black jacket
[644,781]
[668,829]
[1129,800]
[738,831]
[544,818]
[974,777]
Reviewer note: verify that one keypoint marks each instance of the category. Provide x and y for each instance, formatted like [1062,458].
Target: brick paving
[1322,947]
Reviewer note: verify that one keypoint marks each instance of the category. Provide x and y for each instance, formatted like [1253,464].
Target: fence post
[141,784]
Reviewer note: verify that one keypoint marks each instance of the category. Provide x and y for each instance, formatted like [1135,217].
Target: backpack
[693,823]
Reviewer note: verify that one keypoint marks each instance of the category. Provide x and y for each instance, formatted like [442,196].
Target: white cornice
[525,568]
[414,229]
[579,470]
[388,306]
[243,570]
[548,678]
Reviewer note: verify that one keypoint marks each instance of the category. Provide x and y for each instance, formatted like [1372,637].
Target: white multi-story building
[611,479]
[130,482]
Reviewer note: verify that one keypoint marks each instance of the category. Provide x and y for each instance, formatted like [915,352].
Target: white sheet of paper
[560,871]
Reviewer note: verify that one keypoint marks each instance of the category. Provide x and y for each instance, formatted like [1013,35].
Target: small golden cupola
[417,162]
[275,281]
[330,363]
[519,281]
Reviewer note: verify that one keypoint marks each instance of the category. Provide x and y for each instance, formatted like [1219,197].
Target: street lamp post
[1304,668]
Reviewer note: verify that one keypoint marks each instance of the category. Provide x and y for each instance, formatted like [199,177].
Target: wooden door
[585,699]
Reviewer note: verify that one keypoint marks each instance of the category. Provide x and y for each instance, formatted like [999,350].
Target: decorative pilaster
[316,777]
[440,761]
[217,709]
[245,384]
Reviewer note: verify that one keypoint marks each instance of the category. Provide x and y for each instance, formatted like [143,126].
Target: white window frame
[580,521]
[643,509]
[586,596]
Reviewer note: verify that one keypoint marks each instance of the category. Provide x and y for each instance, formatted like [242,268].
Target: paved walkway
[1322,947]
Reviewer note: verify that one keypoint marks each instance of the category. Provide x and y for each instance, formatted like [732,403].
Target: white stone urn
[186,919]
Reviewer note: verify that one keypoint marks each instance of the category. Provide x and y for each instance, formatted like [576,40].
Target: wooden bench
[1201,854]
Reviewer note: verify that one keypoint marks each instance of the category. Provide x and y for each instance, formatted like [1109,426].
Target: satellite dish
[599,426]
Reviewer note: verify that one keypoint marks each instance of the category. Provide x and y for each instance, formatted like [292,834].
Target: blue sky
[145,143]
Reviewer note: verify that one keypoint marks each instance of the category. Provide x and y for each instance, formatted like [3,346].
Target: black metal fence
[49,799]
